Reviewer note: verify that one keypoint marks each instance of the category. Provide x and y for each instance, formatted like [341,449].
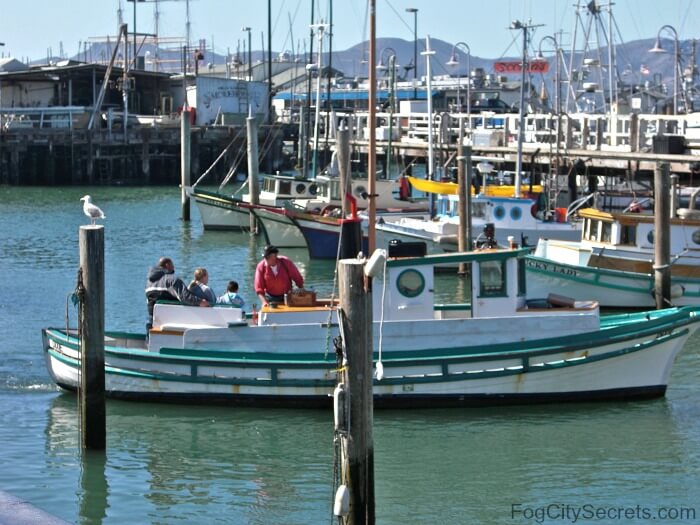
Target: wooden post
[634,132]
[92,337]
[662,237]
[185,143]
[463,191]
[252,135]
[356,306]
[342,144]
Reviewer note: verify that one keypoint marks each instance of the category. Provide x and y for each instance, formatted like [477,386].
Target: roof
[12,64]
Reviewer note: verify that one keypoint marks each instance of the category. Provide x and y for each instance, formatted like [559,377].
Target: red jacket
[267,282]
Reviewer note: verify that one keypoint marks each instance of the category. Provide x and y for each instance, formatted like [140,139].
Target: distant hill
[632,58]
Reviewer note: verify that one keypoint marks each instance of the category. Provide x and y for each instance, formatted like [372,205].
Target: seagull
[91,210]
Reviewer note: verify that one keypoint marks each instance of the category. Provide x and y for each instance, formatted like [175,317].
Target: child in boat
[231,296]
[199,286]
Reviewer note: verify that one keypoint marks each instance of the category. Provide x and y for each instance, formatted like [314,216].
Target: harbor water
[632,462]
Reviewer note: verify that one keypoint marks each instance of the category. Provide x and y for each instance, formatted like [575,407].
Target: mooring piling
[357,472]
[91,286]
[662,236]
[252,134]
[185,152]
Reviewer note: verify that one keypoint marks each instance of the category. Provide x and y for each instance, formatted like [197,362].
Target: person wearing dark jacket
[162,285]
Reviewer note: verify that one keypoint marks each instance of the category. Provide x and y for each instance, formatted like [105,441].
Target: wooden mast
[372,160]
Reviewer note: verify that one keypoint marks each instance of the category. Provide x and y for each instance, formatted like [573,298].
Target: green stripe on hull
[445,377]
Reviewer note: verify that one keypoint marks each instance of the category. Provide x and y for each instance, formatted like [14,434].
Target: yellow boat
[450,188]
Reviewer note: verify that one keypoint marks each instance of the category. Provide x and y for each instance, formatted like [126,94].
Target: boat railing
[612,132]
[578,204]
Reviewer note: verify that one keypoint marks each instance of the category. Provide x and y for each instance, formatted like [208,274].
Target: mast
[372,160]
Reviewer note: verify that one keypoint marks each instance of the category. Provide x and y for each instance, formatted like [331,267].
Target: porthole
[359,190]
[650,236]
[410,283]
[499,212]
[516,213]
[313,189]
[301,188]
[696,236]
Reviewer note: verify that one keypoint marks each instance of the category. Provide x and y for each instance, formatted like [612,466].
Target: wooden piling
[356,306]
[662,236]
[92,312]
[251,124]
[185,143]
[342,147]
[463,192]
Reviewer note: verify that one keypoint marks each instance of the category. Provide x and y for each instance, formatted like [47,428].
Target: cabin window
[285,187]
[492,279]
[606,232]
[522,288]
[410,283]
[628,235]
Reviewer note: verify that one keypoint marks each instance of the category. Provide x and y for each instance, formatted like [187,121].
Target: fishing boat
[432,354]
[613,260]
[312,222]
[516,218]
[231,211]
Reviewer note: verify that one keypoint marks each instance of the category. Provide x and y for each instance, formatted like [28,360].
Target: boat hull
[630,359]
[219,212]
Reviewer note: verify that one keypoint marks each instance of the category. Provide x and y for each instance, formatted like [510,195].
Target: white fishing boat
[613,261]
[432,354]
[231,211]
[313,223]
[514,218]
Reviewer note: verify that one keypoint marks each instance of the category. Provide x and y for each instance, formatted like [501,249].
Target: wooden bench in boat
[178,318]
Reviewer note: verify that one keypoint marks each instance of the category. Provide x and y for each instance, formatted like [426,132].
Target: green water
[172,464]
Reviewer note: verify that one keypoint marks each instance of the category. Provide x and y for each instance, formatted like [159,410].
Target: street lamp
[250,59]
[454,61]
[414,10]
[658,49]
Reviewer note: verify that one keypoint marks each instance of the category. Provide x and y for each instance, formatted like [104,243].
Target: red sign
[534,66]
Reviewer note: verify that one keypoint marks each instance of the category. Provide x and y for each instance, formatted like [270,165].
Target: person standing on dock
[274,276]
[162,285]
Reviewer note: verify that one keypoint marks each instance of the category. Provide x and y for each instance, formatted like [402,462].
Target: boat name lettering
[538,265]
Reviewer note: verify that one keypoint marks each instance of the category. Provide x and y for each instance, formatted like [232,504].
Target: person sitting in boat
[232,296]
[162,285]
[274,276]
[200,286]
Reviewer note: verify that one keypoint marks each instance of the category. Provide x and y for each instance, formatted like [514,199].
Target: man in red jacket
[274,276]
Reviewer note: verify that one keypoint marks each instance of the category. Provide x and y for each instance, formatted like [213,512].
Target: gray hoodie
[162,285]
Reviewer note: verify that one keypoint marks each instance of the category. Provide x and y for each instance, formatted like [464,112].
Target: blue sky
[30,27]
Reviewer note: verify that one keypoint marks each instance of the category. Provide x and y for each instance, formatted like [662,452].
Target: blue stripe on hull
[323,244]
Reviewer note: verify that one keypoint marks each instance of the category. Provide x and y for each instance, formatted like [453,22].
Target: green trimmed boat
[500,349]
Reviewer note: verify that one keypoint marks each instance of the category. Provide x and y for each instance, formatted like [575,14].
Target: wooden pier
[144,155]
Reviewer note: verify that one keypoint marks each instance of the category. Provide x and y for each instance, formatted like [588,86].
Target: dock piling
[251,123]
[91,326]
[358,471]
[185,148]
[662,237]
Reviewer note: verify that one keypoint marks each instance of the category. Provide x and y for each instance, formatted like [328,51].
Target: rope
[379,369]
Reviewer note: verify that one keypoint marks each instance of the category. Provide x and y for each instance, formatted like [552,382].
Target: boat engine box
[300,297]
[398,248]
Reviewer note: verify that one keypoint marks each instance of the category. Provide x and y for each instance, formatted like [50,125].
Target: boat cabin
[636,231]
